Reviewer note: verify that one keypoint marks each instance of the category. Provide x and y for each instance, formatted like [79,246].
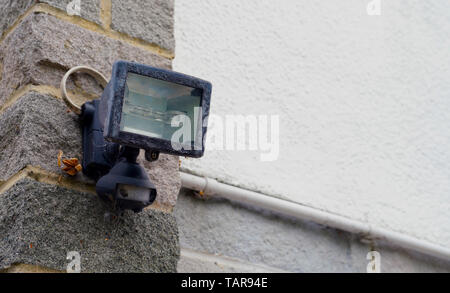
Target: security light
[142,107]
[146,107]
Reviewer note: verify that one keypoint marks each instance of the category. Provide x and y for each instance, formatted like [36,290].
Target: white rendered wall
[364,102]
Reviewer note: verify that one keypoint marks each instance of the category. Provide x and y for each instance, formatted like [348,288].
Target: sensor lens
[134,193]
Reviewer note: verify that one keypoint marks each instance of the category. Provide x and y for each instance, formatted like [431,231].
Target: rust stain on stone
[26,268]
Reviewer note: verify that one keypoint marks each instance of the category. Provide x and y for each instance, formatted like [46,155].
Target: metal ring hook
[85,69]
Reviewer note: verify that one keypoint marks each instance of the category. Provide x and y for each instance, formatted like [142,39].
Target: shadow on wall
[220,227]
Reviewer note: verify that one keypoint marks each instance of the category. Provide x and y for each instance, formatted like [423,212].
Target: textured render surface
[11,10]
[150,20]
[363,103]
[41,223]
[224,229]
[42,48]
[89,9]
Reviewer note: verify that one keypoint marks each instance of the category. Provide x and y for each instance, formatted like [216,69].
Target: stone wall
[44,213]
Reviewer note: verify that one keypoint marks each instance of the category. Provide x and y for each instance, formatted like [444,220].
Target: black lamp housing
[112,104]
[110,151]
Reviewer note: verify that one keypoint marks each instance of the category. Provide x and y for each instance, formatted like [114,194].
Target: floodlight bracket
[110,164]
[99,155]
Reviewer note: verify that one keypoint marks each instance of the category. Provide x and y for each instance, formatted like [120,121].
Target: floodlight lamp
[142,107]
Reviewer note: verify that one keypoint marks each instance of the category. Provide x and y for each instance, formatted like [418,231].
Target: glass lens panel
[160,109]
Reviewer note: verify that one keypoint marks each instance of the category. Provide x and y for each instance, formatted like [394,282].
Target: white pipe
[211,187]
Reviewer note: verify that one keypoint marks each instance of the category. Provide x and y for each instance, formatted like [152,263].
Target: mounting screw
[151,156]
